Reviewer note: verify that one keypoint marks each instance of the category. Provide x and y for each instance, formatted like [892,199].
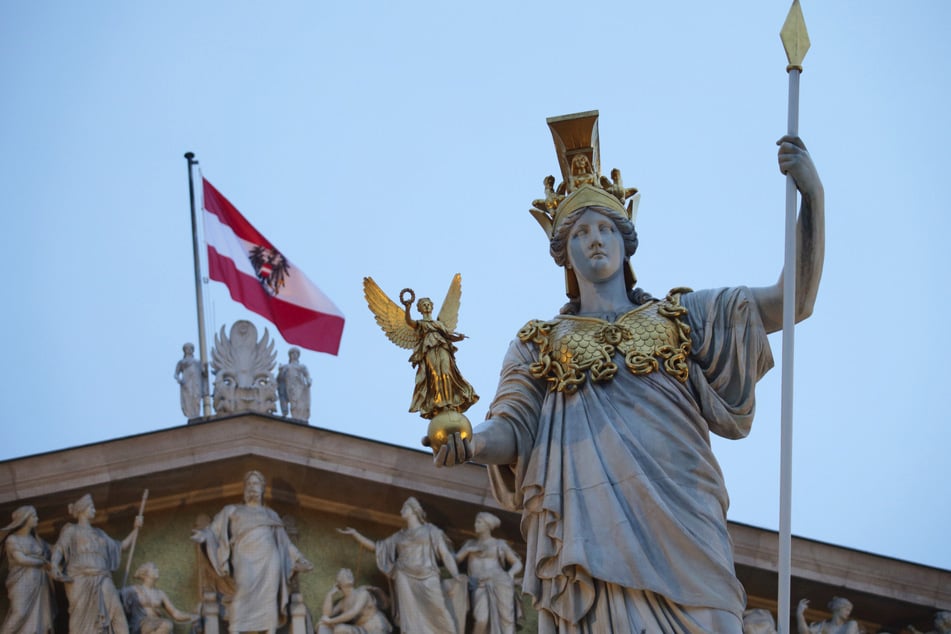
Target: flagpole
[796,42]
[202,345]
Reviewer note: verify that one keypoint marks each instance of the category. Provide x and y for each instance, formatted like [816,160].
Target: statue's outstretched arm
[492,443]
[794,160]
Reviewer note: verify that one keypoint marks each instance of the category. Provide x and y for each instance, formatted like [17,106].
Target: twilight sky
[405,141]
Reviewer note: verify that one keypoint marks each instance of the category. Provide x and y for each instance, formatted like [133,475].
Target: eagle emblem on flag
[271,268]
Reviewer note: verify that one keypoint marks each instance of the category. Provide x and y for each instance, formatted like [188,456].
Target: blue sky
[406,142]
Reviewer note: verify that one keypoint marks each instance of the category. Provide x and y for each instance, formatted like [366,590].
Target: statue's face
[595,248]
[242,390]
[253,490]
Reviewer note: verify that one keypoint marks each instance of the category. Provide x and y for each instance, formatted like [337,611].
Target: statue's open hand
[803,604]
[457,450]
[794,160]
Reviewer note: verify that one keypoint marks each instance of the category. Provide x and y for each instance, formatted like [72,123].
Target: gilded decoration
[571,348]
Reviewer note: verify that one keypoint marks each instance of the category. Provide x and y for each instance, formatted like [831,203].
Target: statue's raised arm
[794,159]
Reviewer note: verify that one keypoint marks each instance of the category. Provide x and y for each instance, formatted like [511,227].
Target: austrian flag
[261,278]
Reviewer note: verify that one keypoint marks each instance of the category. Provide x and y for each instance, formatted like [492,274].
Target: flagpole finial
[795,37]
[190,157]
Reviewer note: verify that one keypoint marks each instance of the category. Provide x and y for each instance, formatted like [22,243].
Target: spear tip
[795,37]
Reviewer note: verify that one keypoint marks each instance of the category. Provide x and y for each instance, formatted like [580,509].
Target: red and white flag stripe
[300,311]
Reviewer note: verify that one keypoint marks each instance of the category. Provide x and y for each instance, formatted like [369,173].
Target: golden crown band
[585,196]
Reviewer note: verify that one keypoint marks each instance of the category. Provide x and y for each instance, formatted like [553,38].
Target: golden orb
[446,423]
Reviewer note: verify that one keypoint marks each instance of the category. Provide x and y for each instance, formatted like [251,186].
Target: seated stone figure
[144,604]
[758,621]
[357,611]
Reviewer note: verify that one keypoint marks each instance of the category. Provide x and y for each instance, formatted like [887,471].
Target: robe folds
[91,556]
[425,604]
[623,502]
[249,544]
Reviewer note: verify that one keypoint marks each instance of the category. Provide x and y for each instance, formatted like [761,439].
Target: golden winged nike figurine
[441,394]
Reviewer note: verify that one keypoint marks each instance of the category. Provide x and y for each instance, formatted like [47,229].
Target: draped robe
[623,502]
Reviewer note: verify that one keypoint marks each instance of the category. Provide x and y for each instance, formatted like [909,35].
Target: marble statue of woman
[144,604]
[90,557]
[492,565]
[248,543]
[28,583]
[189,376]
[599,433]
[411,558]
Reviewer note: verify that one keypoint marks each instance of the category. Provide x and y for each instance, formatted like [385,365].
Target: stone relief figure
[351,610]
[942,624]
[90,556]
[293,387]
[839,623]
[492,565]
[625,388]
[144,604]
[29,587]
[411,558]
[758,621]
[248,543]
[189,376]
[242,366]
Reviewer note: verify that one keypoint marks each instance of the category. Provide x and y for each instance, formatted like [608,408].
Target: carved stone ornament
[242,367]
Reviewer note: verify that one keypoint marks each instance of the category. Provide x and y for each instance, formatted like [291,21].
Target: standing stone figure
[189,376]
[248,543]
[90,556]
[293,387]
[599,433]
[242,366]
[29,588]
[492,565]
[144,604]
[411,558]
[354,612]
[839,623]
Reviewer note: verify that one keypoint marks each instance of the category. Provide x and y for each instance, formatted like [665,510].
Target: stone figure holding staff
[84,559]
[599,433]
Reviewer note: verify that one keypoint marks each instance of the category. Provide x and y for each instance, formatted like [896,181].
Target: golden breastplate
[648,337]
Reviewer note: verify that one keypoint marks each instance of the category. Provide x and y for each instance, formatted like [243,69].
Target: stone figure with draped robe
[349,609]
[599,434]
[495,605]
[410,558]
[84,559]
[248,543]
[29,587]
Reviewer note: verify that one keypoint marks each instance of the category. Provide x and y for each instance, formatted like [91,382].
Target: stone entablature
[327,480]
